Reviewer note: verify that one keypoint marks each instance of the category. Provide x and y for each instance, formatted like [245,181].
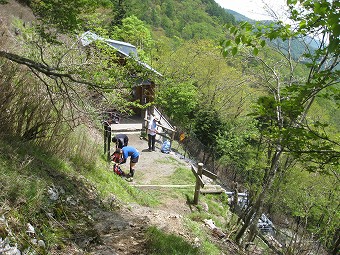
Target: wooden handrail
[173,130]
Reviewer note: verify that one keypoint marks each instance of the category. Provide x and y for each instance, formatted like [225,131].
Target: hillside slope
[59,210]
[87,223]
[123,231]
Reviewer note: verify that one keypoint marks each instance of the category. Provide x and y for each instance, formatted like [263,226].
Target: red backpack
[117,170]
[116,157]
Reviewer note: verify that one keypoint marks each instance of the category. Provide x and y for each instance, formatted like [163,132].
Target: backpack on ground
[117,170]
[166,147]
[116,157]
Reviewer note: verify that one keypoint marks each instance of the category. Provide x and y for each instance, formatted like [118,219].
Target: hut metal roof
[124,48]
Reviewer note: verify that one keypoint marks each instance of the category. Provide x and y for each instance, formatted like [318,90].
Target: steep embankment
[76,219]
[124,230]
[52,207]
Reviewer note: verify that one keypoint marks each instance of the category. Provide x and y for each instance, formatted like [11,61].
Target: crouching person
[121,140]
[132,152]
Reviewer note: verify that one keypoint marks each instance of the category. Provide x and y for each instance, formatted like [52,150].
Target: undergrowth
[30,178]
[162,243]
[82,180]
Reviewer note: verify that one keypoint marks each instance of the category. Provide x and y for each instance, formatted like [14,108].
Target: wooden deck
[133,127]
[131,124]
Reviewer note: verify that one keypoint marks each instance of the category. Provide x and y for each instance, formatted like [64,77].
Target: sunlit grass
[108,183]
[205,244]
[36,171]
[163,243]
[169,160]
[182,175]
[25,177]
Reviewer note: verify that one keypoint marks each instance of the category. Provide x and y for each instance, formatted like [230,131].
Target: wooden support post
[146,120]
[199,182]
[107,128]
[173,136]
[108,145]
[234,202]
[105,138]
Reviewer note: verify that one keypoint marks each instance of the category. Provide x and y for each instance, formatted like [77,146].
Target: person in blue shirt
[133,153]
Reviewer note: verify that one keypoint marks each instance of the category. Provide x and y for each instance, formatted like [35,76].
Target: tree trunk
[336,245]
[256,211]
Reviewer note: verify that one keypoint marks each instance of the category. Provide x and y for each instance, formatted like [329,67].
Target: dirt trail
[123,232]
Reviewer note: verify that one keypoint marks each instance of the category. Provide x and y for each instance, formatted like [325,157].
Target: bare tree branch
[45,69]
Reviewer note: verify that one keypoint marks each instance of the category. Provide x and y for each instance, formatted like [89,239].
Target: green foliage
[178,100]
[162,243]
[312,198]
[322,15]
[278,115]
[81,79]
[235,148]
[65,16]
[302,142]
[206,16]
[134,31]
[290,131]
[242,35]
[199,79]
[216,11]
[198,66]
[208,126]
[39,108]
[119,10]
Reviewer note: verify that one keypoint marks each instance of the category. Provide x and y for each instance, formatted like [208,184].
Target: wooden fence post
[146,123]
[107,138]
[198,183]
[173,136]
[106,125]
[108,145]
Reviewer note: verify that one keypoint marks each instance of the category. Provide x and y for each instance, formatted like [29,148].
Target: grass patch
[162,243]
[218,210]
[182,176]
[217,204]
[169,160]
[177,147]
[84,179]
[206,246]
[108,183]
[25,179]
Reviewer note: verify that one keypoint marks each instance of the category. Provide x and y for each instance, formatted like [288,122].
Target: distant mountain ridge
[297,44]
[239,16]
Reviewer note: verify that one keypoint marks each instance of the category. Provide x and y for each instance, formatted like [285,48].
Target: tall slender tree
[288,132]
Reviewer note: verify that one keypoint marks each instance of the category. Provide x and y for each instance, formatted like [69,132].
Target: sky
[254,9]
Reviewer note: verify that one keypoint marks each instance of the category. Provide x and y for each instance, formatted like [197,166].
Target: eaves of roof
[124,48]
